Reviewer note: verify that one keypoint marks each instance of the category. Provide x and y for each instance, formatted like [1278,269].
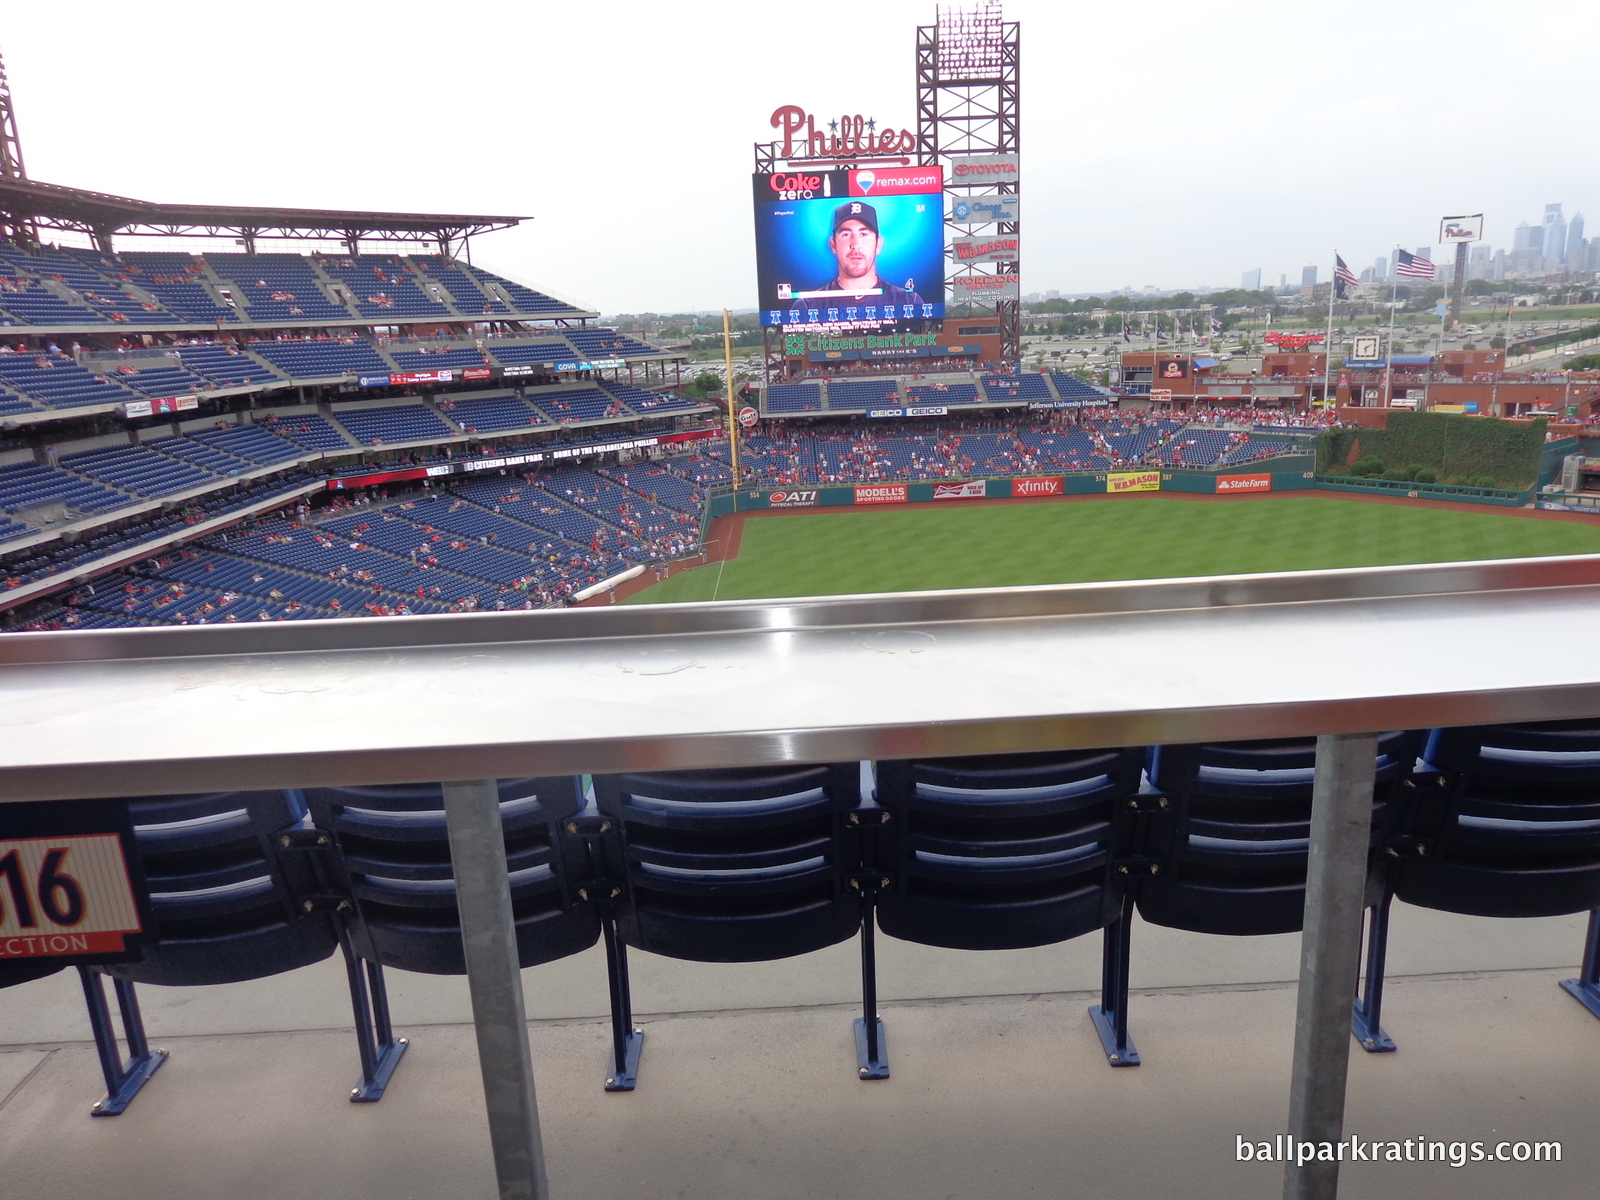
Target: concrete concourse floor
[748,1088]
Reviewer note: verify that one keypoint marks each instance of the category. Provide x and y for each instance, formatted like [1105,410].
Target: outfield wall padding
[1293,472]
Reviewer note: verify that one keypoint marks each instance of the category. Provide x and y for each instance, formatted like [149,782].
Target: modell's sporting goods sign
[881,493]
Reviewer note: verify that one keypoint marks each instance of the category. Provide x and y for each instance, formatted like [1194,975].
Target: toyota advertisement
[850,248]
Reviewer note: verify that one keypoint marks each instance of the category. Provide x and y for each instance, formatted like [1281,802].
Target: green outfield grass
[914,549]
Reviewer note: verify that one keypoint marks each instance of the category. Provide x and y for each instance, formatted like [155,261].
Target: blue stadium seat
[1005,851]
[392,865]
[1227,832]
[1508,826]
[740,865]
[235,897]
[394,854]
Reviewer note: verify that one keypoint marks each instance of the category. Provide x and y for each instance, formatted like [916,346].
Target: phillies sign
[847,137]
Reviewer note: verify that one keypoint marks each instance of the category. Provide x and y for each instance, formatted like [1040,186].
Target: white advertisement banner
[999,248]
[971,490]
[1461,229]
[980,289]
[984,169]
[984,209]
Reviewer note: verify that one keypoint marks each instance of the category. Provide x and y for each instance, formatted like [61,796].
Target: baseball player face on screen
[856,244]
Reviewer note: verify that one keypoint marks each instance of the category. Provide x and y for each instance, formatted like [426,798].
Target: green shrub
[1368,465]
[1485,481]
[1460,481]
[1424,475]
[1394,473]
[1497,343]
[1448,445]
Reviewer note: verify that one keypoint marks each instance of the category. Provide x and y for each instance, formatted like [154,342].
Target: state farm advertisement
[1133,481]
[792,499]
[1244,483]
[971,490]
[881,493]
[1055,486]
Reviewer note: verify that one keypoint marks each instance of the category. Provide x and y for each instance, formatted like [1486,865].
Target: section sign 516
[68,895]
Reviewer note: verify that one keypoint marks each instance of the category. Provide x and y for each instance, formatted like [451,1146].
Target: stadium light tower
[969,106]
[11,165]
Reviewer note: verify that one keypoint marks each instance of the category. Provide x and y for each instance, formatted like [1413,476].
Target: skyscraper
[1251,280]
[1380,268]
[1575,245]
[1308,276]
[1527,237]
[1555,234]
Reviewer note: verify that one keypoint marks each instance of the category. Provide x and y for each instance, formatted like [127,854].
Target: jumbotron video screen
[850,247]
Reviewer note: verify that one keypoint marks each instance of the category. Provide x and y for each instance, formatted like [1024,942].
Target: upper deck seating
[494,414]
[794,398]
[226,366]
[137,469]
[277,288]
[855,394]
[323,358]
[523,299]
[55,381]
[1027,386]
[385,287]
[308,429]
[391,425]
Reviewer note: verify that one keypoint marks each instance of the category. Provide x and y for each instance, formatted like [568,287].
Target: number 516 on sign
[67,895]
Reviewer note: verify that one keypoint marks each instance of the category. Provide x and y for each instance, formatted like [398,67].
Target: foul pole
[733,416]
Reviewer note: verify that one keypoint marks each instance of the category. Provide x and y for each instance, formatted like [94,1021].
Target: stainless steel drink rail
[1339,654]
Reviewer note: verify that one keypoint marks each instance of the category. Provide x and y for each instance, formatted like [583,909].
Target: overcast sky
[1174,144]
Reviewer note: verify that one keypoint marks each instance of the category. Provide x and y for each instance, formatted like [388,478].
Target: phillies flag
[1411,266]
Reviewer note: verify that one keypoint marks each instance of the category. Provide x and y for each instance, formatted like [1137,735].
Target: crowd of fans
[571,529]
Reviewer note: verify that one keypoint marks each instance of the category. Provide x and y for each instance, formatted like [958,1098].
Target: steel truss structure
[969,102]
[28,204]
[11,166]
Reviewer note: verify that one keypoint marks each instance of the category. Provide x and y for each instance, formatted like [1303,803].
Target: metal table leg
[478,857]
[1330,956]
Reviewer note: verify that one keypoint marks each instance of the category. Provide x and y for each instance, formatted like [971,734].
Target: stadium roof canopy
[26,203]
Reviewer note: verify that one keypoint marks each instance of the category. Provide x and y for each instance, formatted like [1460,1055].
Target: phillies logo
[849,136]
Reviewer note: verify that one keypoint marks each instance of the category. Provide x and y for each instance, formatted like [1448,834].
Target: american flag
[1343,276]
[1411,266]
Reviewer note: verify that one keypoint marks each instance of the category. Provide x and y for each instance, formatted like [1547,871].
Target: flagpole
[1327,346]
[1388,364]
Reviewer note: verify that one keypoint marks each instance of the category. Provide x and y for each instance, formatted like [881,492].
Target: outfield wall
[1289,473]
